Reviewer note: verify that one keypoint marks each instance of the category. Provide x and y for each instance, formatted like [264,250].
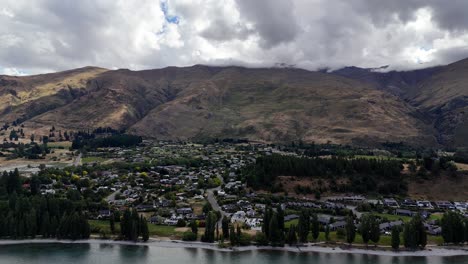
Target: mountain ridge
[347,106]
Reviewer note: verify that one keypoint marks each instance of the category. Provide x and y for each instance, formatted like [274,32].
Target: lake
[129,254]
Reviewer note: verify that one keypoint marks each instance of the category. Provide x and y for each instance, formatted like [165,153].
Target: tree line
[364,174]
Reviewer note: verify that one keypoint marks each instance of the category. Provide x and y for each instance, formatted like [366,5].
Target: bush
[189,236]
[244,239]
[340,233]
[181,223]
[261,239]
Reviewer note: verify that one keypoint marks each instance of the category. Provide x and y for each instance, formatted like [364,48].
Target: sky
[53,35]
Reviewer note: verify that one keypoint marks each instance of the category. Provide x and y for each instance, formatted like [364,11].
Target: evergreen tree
[365,228]
[315,227]
[225,227]
[374,230]
[266,221]
[395,238]
[327,232]
[232,237]
[144,229]
[194,226]
[303,226]
[112,224]
[275,232]
[292,238]
[350,230]
[210,223]
[280,216]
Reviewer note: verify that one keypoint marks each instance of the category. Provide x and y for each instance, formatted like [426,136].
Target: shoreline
[428,252]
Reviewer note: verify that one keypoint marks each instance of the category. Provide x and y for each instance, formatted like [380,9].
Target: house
[238,216]
[404,212]
[171,221]
[435,231]
[145,207]
[409,203]
[445,205]
[290,217]
[424,204]
[337,225]
[184,211]
[252,213]
[390,202]
[388,226]
[104,214]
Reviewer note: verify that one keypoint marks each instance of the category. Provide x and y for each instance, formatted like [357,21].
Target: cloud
[51,35]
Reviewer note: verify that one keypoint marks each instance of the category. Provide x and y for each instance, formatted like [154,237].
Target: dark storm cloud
[275,23]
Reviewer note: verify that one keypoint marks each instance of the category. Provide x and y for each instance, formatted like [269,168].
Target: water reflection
[131,252]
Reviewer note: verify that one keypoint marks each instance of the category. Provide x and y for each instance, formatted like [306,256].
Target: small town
[199,192]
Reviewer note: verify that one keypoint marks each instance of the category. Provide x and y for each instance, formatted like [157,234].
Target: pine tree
[112,224]
[194,226]
[275,232]
[225,227]
[374,230]
[144,229]
[365,228]
[292,238]
[266,221]
[280,216]
[315,227]
[232,237]
[350,230]
[327,232]
[395,238]
[303,226]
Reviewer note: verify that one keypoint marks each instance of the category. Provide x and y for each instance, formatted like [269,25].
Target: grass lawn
[292,222]
[93,159]
[436,216]
[391,217]
[64,144]
[154,230]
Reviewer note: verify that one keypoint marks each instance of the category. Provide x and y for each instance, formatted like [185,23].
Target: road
[111,197]
[77,161]
[214,203]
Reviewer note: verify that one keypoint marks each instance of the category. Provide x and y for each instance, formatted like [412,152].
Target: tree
[374,230]
[395,237]
[327,232]
[144,229]
[112,224]
[292,238]
[194,226]
[303,226]
[280,216]
[315,227]
[210,224]
[266,221]
[350,230]
[453,229]
[275,233]
[365,228]
[225,227]
[232,237]
[414,233]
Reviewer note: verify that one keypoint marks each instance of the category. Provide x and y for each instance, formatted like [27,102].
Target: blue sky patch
[169,18]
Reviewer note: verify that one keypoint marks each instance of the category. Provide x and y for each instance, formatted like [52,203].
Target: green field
[154,230]
[93,159]
[62,144]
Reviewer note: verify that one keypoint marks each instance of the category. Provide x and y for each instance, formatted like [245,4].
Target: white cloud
[46,35]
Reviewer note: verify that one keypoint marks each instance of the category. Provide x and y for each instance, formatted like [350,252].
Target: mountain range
[348,106]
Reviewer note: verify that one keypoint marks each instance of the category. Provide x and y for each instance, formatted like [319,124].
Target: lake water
[119,254]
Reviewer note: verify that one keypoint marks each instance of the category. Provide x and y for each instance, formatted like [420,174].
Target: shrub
[181,223]
[189,236]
